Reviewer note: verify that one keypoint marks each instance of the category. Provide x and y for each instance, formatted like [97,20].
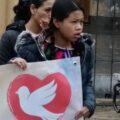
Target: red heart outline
[58,105]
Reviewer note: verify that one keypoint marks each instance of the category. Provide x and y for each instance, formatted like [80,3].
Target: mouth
[77,35]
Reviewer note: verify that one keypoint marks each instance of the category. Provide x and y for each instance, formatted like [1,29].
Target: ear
[56,23]
[33,9]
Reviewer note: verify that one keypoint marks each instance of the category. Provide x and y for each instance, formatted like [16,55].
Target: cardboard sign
[49,90]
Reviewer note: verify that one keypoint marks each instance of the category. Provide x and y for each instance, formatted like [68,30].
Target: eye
[48,9]
[74,21]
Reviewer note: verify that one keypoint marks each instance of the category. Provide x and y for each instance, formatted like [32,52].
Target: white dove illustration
[32,103]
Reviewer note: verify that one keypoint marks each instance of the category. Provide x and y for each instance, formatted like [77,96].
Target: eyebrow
[48,8]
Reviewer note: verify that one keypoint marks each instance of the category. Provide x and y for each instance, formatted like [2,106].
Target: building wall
[6,13]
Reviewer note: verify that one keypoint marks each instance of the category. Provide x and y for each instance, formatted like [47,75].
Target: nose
[79,26]
[49,15]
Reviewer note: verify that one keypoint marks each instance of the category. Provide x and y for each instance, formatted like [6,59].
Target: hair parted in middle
[61,10]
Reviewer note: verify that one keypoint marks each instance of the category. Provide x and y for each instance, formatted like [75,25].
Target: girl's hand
[84,112]
[20,62]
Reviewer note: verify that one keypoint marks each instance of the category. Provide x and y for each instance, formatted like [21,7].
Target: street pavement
[105,111]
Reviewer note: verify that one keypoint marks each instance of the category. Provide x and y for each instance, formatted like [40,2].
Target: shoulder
[87,53]
[87,38]
[25,38]
[9,36]
[16,26]
[85,46]
[24,34]
[13,30]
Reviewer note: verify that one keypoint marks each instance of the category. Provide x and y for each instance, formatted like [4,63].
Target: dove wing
[52,116]
[44,95]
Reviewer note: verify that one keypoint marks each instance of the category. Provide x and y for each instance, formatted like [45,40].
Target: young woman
[31,16]
[63,40]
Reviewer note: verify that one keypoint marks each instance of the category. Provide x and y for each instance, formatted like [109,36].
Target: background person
[9,37]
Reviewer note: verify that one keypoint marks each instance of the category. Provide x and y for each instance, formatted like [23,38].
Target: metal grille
[104,24]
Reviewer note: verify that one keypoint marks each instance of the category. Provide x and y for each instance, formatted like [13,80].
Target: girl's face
[42,14]
[71,27]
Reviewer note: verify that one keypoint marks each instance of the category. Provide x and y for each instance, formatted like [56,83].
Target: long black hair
[22,9]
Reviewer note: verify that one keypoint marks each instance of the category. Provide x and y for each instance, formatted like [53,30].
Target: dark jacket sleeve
[7,43]
[89,93]
[26,48]
[27,53]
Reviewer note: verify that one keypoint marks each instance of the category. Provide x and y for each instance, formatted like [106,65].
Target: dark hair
[37,3]
[61,10]
[22,9]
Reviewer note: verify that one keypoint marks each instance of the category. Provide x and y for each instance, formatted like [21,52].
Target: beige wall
[6,13]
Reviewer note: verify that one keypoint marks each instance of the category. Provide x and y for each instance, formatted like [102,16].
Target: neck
[61,41]
[33,27]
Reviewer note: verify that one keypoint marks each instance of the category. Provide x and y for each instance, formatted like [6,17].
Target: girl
[63,40]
